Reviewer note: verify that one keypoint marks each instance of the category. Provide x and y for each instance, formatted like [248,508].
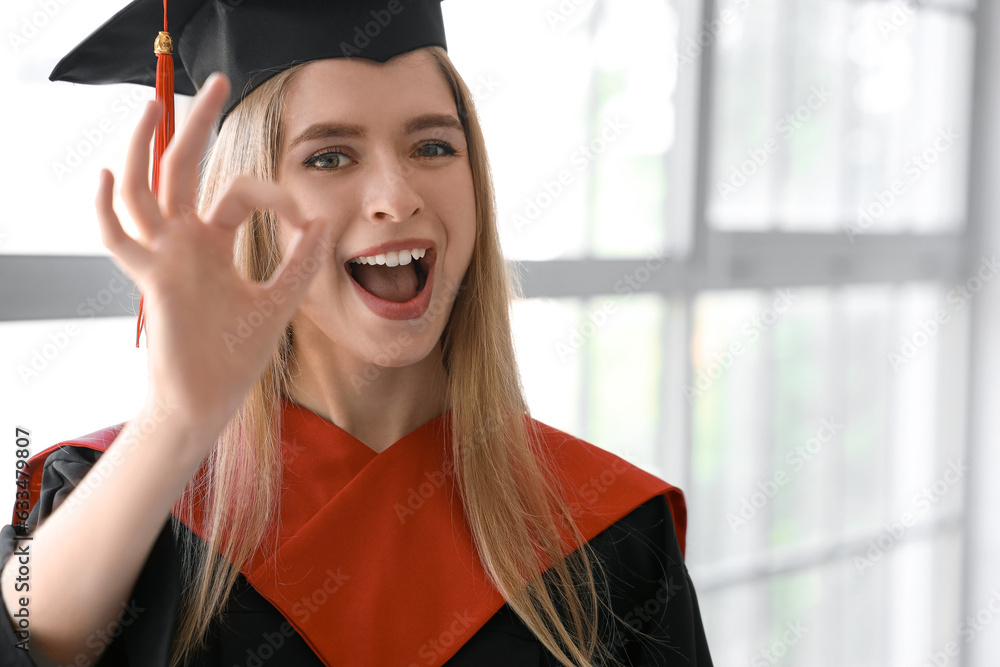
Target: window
[745,243]
[758,291]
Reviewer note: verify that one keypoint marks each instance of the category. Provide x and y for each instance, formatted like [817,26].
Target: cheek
[459,217]
[332,206]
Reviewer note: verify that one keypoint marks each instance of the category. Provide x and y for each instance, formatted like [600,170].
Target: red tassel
[163,48]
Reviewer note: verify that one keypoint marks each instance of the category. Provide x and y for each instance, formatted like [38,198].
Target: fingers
[305,252]
[244,195]
[303,257]
[179,169]
[116,239]
[136,190]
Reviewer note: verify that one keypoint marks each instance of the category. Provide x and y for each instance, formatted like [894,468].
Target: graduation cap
[248,40]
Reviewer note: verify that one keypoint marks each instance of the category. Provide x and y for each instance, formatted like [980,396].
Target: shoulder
[564,445]
[604,484]
[656,617]
[83,448]
[649,614]
[54,472]
[98,441]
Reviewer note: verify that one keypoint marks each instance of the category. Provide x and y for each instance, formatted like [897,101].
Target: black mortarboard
[248,40]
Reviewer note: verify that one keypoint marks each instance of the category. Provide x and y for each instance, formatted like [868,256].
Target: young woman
[335,464]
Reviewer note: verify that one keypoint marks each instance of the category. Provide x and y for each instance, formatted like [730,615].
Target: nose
[390,195]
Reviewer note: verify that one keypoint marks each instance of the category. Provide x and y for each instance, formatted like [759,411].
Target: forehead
[365,92]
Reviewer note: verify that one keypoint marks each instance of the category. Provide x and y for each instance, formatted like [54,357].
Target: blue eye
[327,160]
[333,159]
[436,149]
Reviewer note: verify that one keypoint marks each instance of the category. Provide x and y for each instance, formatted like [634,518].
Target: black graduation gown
[650,589]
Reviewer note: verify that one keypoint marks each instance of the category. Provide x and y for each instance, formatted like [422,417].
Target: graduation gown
[375,564]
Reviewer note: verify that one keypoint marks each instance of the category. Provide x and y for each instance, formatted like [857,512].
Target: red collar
[375,563]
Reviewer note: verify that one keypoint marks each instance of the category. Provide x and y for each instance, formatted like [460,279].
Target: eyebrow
[333,130]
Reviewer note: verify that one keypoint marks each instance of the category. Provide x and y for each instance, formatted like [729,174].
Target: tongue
[397,283]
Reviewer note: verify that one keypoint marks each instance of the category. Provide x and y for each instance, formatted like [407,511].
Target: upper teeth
[392,258]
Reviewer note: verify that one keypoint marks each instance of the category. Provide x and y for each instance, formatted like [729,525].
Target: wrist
[190,436]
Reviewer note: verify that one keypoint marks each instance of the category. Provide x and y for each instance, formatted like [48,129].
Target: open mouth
[396,276]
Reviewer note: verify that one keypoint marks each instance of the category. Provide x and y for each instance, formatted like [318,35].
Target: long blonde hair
[515,510]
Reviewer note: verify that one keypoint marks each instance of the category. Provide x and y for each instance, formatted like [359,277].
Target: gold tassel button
[163,43]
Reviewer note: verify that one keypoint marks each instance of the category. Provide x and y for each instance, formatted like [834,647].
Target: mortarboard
[248,40]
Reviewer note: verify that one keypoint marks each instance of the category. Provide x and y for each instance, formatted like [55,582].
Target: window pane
[624,371]
[594,368]
[60,135]
[579,122]
[636,86]
[550,367]
[830,112]
[830,615]
[67,378]
[826,421]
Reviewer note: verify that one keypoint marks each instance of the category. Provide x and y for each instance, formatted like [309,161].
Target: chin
[402,344]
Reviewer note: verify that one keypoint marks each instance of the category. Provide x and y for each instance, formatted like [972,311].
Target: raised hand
[201,362]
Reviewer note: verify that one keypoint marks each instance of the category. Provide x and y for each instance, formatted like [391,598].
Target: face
[378,152]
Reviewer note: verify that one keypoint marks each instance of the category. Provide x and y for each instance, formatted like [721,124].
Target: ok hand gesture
[183,262]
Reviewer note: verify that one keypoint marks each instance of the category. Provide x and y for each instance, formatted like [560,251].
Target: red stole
[375,564]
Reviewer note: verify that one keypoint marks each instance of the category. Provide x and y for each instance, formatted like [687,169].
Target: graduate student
[334,464]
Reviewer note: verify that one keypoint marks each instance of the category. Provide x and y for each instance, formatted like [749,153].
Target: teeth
[401,258]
